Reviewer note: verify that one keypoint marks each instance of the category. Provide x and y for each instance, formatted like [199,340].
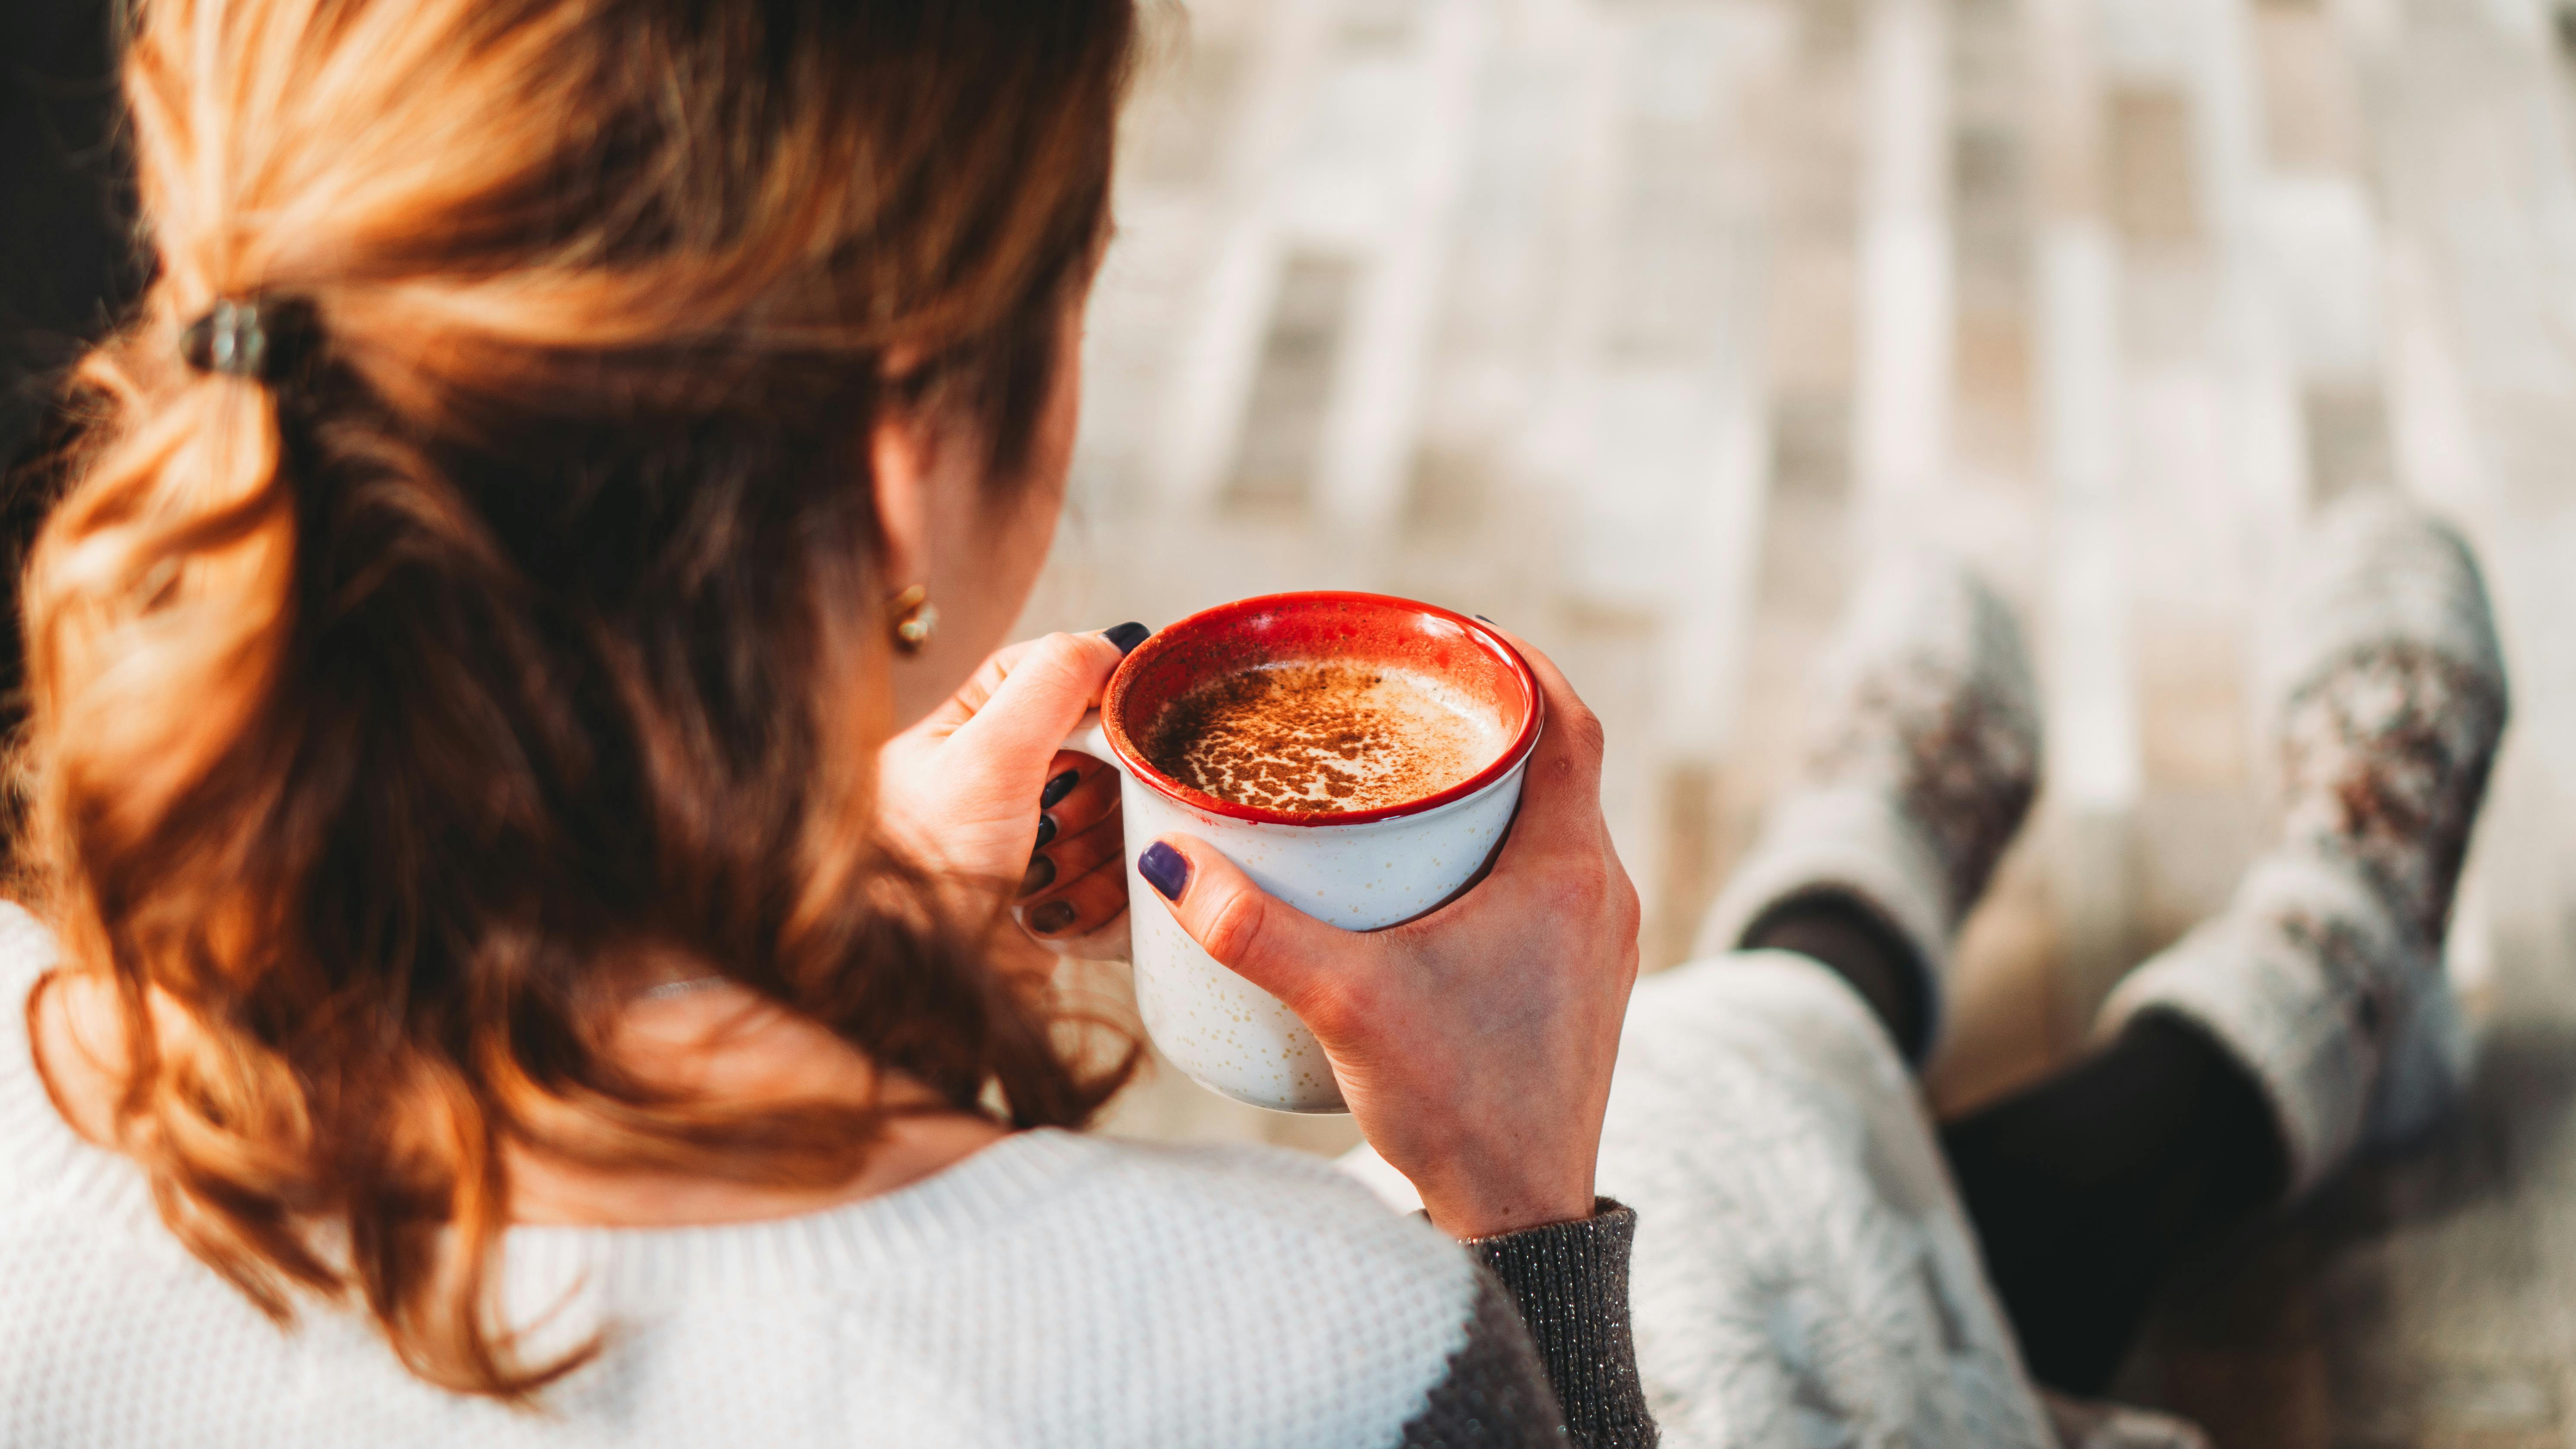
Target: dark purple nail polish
[1046,830]
[1126,636]
[1165,869]
[1050,918]
[1041,875]
[1057,788]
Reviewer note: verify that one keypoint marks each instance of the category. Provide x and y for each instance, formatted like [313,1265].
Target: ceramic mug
[1361,870]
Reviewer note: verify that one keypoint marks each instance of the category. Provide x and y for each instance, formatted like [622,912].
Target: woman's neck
[719,1042]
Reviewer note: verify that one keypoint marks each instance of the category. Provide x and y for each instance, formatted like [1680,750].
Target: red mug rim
[1113,726]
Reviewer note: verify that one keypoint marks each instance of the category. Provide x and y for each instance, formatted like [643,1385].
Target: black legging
[2084,1186]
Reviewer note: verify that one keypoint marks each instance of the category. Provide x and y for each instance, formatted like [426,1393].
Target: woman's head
[393,717]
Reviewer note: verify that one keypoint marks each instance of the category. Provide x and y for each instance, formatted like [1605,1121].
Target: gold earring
[913,618]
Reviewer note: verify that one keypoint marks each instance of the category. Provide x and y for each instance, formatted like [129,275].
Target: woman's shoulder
[1265,1287]
[1276,1235]
[1155,1293]
[1236,1199]
[1239,1175]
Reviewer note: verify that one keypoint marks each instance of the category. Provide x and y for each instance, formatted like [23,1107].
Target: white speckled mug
[1361,870]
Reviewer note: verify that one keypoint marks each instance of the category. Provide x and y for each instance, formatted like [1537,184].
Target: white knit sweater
[1053,1289]
[1803,1276]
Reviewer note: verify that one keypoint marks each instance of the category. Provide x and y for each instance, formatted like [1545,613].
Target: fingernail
[1165,869]
[1057,788]
[1046,830]
[1126,636]
[1041,875]
[1050,918]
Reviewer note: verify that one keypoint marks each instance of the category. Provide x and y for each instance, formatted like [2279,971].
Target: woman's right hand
[980,789]
[1475,1043]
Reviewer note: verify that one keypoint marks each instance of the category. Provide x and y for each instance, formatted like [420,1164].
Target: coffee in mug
[1324,737]
[1360,757]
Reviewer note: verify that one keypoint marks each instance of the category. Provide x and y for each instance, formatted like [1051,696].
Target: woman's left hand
[1475,1044]
[979,789]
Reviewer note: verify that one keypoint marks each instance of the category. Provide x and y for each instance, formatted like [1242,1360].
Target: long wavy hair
[389,719]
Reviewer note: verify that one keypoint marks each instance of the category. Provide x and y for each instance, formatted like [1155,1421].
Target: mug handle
[1088,738]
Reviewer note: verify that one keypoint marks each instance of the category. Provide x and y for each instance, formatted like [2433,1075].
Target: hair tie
[262,339]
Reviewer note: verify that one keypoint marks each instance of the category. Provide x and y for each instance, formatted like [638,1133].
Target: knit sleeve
[1549,1358]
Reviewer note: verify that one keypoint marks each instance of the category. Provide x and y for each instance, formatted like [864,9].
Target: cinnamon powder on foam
[1319,739]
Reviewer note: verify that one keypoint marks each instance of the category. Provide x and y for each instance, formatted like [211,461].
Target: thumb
[1041,693]
[1302,961]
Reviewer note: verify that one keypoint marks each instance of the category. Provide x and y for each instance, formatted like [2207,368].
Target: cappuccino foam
[1323,738]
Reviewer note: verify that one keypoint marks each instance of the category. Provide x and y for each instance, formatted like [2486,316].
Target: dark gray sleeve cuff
[1570,1282]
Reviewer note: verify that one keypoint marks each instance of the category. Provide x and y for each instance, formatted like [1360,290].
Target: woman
[459,665]
[524,866]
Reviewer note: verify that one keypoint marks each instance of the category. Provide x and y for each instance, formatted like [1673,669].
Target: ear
[900,461]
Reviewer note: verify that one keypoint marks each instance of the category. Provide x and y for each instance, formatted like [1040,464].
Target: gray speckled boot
[2324,976]
[1925,758]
